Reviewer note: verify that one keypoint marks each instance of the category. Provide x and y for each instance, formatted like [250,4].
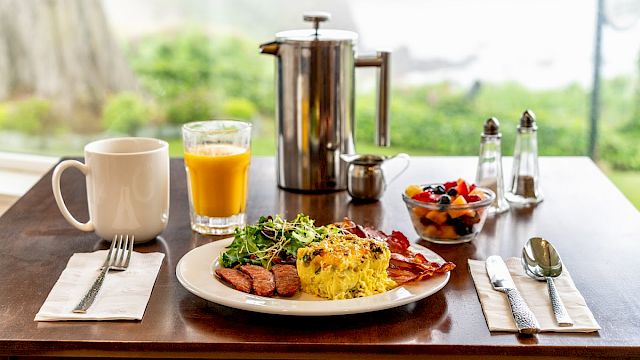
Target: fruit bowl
[449,213]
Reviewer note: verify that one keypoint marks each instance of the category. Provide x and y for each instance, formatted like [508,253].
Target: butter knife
[501,281]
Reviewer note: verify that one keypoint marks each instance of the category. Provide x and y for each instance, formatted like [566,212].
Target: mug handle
[55,184]
[401,156]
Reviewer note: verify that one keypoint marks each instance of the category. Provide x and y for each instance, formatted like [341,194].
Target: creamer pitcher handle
[401,156]
[55,184]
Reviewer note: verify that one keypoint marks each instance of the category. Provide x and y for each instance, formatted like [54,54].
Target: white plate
[195,271]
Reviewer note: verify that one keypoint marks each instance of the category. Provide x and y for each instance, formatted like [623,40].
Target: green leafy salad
[273,240]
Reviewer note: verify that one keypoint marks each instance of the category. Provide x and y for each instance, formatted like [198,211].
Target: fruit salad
[450,212]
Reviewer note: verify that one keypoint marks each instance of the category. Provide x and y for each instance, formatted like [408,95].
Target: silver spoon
[541,261]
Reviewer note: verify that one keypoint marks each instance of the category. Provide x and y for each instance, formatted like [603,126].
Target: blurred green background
[192,74]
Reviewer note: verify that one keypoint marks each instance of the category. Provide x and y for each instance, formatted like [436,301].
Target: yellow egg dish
[344,267]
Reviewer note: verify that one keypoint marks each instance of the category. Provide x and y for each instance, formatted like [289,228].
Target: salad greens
[273,240]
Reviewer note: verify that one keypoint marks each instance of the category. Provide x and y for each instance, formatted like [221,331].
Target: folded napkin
[496,306]
[124,294]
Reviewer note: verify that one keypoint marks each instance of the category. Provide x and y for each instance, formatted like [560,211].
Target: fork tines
[124,247]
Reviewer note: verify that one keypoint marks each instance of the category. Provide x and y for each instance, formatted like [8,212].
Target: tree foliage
[239,108]
[125,113]
[192,73]
[31,116]
[191,105]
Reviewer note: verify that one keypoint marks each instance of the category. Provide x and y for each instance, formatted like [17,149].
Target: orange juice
[218,179]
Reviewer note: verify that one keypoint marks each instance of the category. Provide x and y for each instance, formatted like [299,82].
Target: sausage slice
[263,281]
[237,278]
[287,279]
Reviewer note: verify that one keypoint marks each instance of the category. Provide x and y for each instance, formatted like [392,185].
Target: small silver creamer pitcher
[365,176]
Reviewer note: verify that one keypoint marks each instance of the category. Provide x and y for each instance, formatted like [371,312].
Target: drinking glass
[217,154]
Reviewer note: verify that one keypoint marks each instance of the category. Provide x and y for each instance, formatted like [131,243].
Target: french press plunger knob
[316,17]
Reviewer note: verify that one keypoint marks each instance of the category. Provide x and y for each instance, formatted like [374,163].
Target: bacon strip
[405,265]
[400,266]
[401,276]
[398,243]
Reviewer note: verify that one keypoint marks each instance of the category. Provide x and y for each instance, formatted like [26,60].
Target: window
[71,72]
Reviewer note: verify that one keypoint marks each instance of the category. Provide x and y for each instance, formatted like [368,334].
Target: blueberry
[452,192]
[444,199]
[426,222]
[438,189]
[463,230]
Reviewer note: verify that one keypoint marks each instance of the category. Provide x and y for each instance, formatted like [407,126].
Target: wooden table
[593,226]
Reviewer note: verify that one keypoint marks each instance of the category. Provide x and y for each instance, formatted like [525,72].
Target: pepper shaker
[489,173]
[525,181]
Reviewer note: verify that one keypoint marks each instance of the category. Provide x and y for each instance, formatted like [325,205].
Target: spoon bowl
[541,261]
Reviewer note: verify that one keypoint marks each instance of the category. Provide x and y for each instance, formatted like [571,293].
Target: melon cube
[431,231]
[412,190]
[438,217]
[459,200]
[419,211]
[448,232]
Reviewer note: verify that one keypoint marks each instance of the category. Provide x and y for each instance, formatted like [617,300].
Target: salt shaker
[525,182]
[489,173]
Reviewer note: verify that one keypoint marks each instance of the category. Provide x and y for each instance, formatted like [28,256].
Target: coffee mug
[127,187]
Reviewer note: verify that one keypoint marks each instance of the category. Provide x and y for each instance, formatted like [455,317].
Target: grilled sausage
[287,280]
[236,278]
[263,281]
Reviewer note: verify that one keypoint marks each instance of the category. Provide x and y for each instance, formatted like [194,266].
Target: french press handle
[382,60]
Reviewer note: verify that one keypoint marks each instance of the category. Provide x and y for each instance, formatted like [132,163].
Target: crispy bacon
[374,234]
[401,276]
[398,243]
[353,228]
[405,265]
[401,266]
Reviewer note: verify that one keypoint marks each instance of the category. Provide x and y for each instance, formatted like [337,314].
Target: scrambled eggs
[344,267]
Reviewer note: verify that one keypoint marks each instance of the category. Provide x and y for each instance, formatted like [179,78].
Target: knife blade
[501,280]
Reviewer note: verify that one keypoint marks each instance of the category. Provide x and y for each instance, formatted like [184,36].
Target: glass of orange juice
[217,154]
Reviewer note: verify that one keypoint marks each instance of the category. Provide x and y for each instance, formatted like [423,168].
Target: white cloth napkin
[496,306]
[124,294]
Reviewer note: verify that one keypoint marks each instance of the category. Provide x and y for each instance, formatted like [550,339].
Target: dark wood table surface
[595,228]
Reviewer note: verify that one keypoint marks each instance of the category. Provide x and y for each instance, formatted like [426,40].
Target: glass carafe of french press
[315,104]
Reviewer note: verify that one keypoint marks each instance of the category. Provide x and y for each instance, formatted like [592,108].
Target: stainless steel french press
[315,104]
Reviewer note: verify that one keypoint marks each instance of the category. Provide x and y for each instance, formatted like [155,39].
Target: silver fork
[117,259]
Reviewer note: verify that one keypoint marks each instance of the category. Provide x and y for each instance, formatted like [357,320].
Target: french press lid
[316,34]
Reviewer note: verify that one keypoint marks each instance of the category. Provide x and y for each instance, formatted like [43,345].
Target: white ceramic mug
[127,187]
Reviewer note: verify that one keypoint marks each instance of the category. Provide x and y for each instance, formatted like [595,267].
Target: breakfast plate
[195,271]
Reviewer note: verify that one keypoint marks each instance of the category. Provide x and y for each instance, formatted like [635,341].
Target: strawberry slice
[426,196]
[463,189]
[473,198]
[450,184]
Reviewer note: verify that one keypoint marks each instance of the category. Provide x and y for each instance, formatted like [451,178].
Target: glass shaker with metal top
[525,179]
[489,173]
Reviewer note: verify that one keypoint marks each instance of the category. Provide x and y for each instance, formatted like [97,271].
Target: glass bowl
[449,223]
